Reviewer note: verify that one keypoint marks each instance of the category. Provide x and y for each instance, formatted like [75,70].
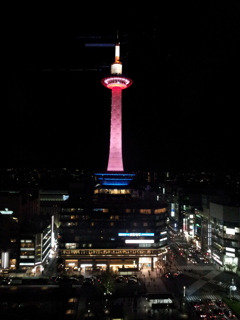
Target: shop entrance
[145,263]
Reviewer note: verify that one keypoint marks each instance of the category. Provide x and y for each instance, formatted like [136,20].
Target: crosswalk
[220,284]
[208,296]
[195,267]
[202,297]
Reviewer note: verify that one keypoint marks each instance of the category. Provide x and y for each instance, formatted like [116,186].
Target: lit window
[70,246]
[162,210]
[145,211]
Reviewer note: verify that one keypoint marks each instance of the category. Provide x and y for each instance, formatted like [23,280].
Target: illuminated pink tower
[116,82]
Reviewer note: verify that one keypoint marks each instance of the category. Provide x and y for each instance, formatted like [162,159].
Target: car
[229,313]
[192,260]
[132,280]
[220,303]
[6,281]
[211,315]
[177,273]
[209,302]
[87,282]
[196,304]
[55,279]
[218,312]
[120,279]
[168,275]
[73,280]
[201,313]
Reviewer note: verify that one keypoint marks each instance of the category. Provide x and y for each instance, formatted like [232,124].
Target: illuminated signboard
[230,231]
[6,211]
[139,241]
[136,234]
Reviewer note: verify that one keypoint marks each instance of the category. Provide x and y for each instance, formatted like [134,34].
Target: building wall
[225,222]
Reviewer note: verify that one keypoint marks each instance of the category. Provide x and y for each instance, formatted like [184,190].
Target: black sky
[180,113]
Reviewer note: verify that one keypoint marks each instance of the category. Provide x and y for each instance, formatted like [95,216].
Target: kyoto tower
[116,82]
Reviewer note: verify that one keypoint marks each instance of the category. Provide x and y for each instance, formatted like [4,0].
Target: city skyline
[180,112]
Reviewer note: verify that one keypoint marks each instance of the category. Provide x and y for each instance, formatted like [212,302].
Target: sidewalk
[153,281]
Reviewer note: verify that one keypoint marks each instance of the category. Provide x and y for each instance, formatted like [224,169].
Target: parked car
[120,279]
[55,279]
[132,279]
[73,280]
[88,282]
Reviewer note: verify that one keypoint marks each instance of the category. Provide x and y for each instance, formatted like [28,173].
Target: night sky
[181,112]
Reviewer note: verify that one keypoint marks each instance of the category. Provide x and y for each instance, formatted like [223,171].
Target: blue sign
[136,234]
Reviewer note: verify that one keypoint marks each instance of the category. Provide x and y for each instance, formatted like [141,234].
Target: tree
[108,281]
[230,266]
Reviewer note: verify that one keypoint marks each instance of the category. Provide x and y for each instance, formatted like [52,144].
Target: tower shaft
[115,161]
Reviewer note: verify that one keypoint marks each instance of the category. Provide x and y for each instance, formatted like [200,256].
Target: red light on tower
[116,83]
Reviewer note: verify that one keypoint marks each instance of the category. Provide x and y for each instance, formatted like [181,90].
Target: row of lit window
[27,245]
[106,210]
[72,209]
[108,252]
[112,191]
[111,224]
[86,217]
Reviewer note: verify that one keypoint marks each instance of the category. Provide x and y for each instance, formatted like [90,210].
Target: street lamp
[232,287]
[184,291]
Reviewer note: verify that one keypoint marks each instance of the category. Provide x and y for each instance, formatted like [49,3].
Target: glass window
[70,246]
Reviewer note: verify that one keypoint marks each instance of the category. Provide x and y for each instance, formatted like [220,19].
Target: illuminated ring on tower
[116,82]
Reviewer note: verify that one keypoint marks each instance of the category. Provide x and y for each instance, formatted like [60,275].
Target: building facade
[36,244]
[113,228]
[225,227]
